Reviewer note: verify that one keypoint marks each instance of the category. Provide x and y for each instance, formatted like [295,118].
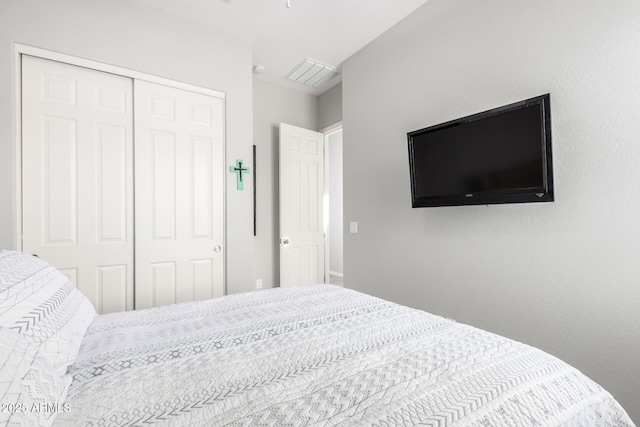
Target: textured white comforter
[319,355]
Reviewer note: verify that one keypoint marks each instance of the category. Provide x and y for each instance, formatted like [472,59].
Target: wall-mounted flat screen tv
[497,156]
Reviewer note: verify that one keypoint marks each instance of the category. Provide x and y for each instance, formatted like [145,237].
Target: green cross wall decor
[239,170]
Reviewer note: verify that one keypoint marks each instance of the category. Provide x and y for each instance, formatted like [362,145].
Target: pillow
[31,391]
[40,303]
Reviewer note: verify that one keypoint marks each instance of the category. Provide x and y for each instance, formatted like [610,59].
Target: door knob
[284,241]
[217,249]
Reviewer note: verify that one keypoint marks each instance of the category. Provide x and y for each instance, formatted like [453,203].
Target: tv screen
[497,156]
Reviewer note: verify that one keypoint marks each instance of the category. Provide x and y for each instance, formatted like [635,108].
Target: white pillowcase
[40,303]
[31,391]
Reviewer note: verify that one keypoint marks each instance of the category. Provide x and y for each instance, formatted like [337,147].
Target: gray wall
[330,107]
[125,34]
[336,223]
[272,105]
[562,276]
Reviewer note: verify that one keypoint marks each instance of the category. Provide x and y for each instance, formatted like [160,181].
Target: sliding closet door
[179,195]
[77,181]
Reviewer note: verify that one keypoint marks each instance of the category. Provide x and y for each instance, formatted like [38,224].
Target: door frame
[22,49]
[327,132]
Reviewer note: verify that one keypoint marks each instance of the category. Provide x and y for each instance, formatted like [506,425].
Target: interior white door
[77,177]
[301,209]
[179,183]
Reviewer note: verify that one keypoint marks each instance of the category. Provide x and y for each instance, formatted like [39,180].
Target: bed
[312,355]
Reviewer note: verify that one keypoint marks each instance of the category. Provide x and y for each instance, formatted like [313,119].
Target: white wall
[563,276]
[125,34]
[272,105]
[336,223]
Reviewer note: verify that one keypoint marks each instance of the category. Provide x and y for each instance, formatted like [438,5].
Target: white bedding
[318,355]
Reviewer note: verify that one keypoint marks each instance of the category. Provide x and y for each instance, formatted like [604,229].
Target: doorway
[310,207]
[334,227]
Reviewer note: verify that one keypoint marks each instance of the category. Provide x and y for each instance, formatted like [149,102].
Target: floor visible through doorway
[336,280]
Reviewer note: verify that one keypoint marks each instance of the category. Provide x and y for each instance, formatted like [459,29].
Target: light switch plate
[353,227]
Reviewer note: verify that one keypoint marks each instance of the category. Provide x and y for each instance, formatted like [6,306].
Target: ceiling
[328,31]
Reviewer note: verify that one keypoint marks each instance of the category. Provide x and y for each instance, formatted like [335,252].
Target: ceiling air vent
[312,73]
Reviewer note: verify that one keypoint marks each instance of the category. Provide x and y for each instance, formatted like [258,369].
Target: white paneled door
[123,185]
[301,207]
[179,188]
[77,177]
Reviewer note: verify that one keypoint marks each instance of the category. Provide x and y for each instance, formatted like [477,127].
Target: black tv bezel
[515,195]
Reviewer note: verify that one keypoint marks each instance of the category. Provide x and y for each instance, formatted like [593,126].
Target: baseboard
[335,273]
